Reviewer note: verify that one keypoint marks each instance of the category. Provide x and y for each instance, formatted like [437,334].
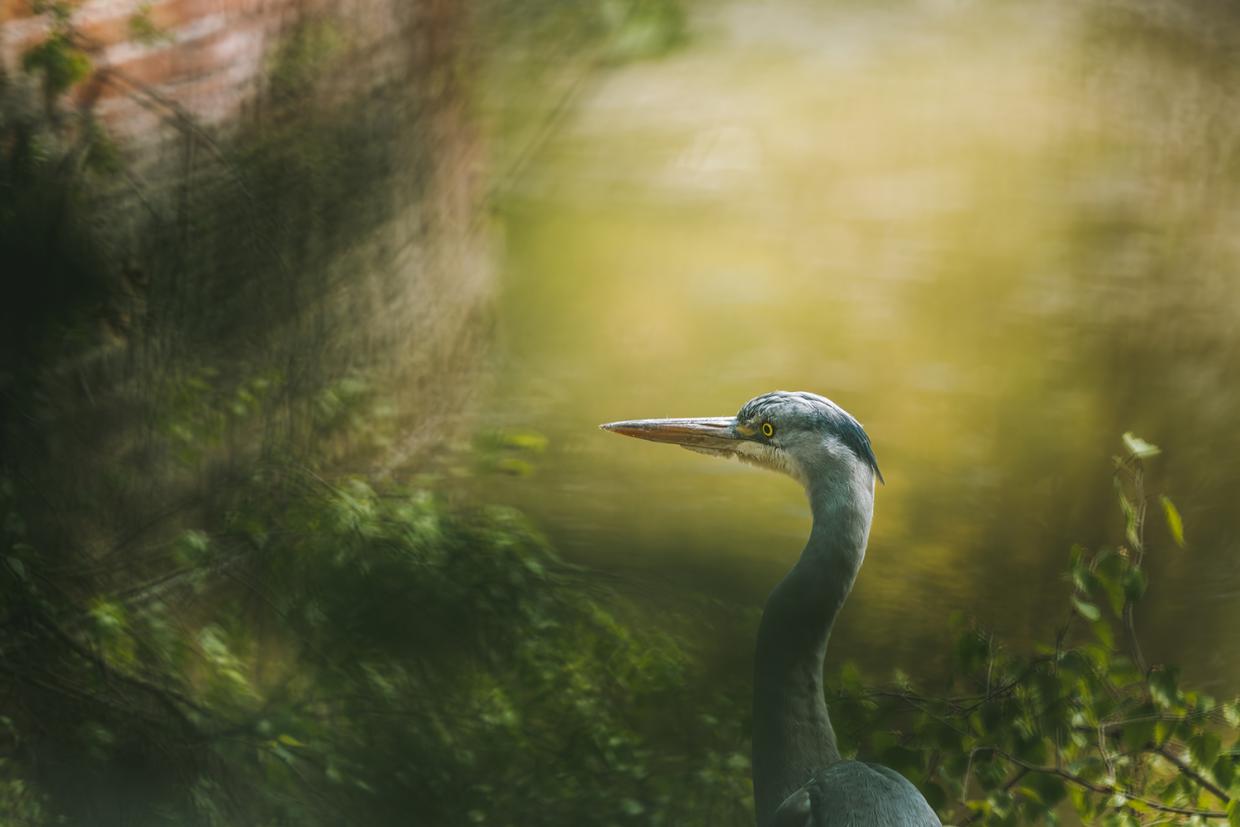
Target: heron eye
[768,430]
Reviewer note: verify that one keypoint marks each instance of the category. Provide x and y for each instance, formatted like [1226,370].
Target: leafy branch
[1085,719]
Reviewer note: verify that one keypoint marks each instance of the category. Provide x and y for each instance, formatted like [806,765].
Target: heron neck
[792,734]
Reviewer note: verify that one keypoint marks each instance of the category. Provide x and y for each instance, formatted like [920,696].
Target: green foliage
[142,26]
[59,62]
[643,28]
[513,453]
[537,56]
[1082,720]
[1175,523]
[622,29]
[58,59]
[387,655]
[202,629]
[305,57]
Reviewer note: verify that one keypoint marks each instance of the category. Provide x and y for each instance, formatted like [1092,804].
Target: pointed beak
[711,433]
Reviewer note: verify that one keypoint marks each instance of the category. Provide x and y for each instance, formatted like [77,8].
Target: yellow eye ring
[768,430]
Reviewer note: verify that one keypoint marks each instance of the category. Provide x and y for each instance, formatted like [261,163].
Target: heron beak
[711,434]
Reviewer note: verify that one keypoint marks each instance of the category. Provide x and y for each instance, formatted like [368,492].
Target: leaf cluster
[333,650]
[1081,723]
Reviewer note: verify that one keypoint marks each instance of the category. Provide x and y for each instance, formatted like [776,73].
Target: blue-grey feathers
[854,794]
[827,414]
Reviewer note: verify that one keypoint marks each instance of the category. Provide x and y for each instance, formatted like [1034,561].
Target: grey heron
[799,777]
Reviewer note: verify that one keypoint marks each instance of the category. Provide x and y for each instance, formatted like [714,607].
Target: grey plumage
[830,418]
[855,794]
[799,777]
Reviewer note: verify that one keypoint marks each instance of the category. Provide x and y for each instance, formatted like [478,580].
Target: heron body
[799,778]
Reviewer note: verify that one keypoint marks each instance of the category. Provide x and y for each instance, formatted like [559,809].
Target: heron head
[801,434]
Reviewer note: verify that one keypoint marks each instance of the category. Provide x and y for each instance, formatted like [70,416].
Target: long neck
[792,735]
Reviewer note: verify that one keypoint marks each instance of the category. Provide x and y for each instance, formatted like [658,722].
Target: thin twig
[1008,785]
[1185,769]
[1108,789]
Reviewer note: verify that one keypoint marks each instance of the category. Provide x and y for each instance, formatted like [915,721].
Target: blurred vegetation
[207,618]
[333,653]
[539,55]
[614,30]
[1083,720]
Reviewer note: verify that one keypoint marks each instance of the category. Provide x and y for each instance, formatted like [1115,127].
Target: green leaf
[192,546]
[17,566]
[1174,522]
[1139,448]
[1163,687]
[514,467]
[1233,813]
[1104,633]
[1124,671]
[1077,560]
[525,441]
[1050,788]
[1204,748]
[1134,585]
[1081,800]
[1110,573]
[850,678]
[61,63]
[1085,609]
[1224,771]
[108,616]
[1140,732]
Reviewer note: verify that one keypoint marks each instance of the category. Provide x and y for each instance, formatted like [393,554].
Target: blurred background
[999,235]
[313,309]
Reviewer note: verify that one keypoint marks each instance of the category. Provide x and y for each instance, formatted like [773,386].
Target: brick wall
[211,57]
